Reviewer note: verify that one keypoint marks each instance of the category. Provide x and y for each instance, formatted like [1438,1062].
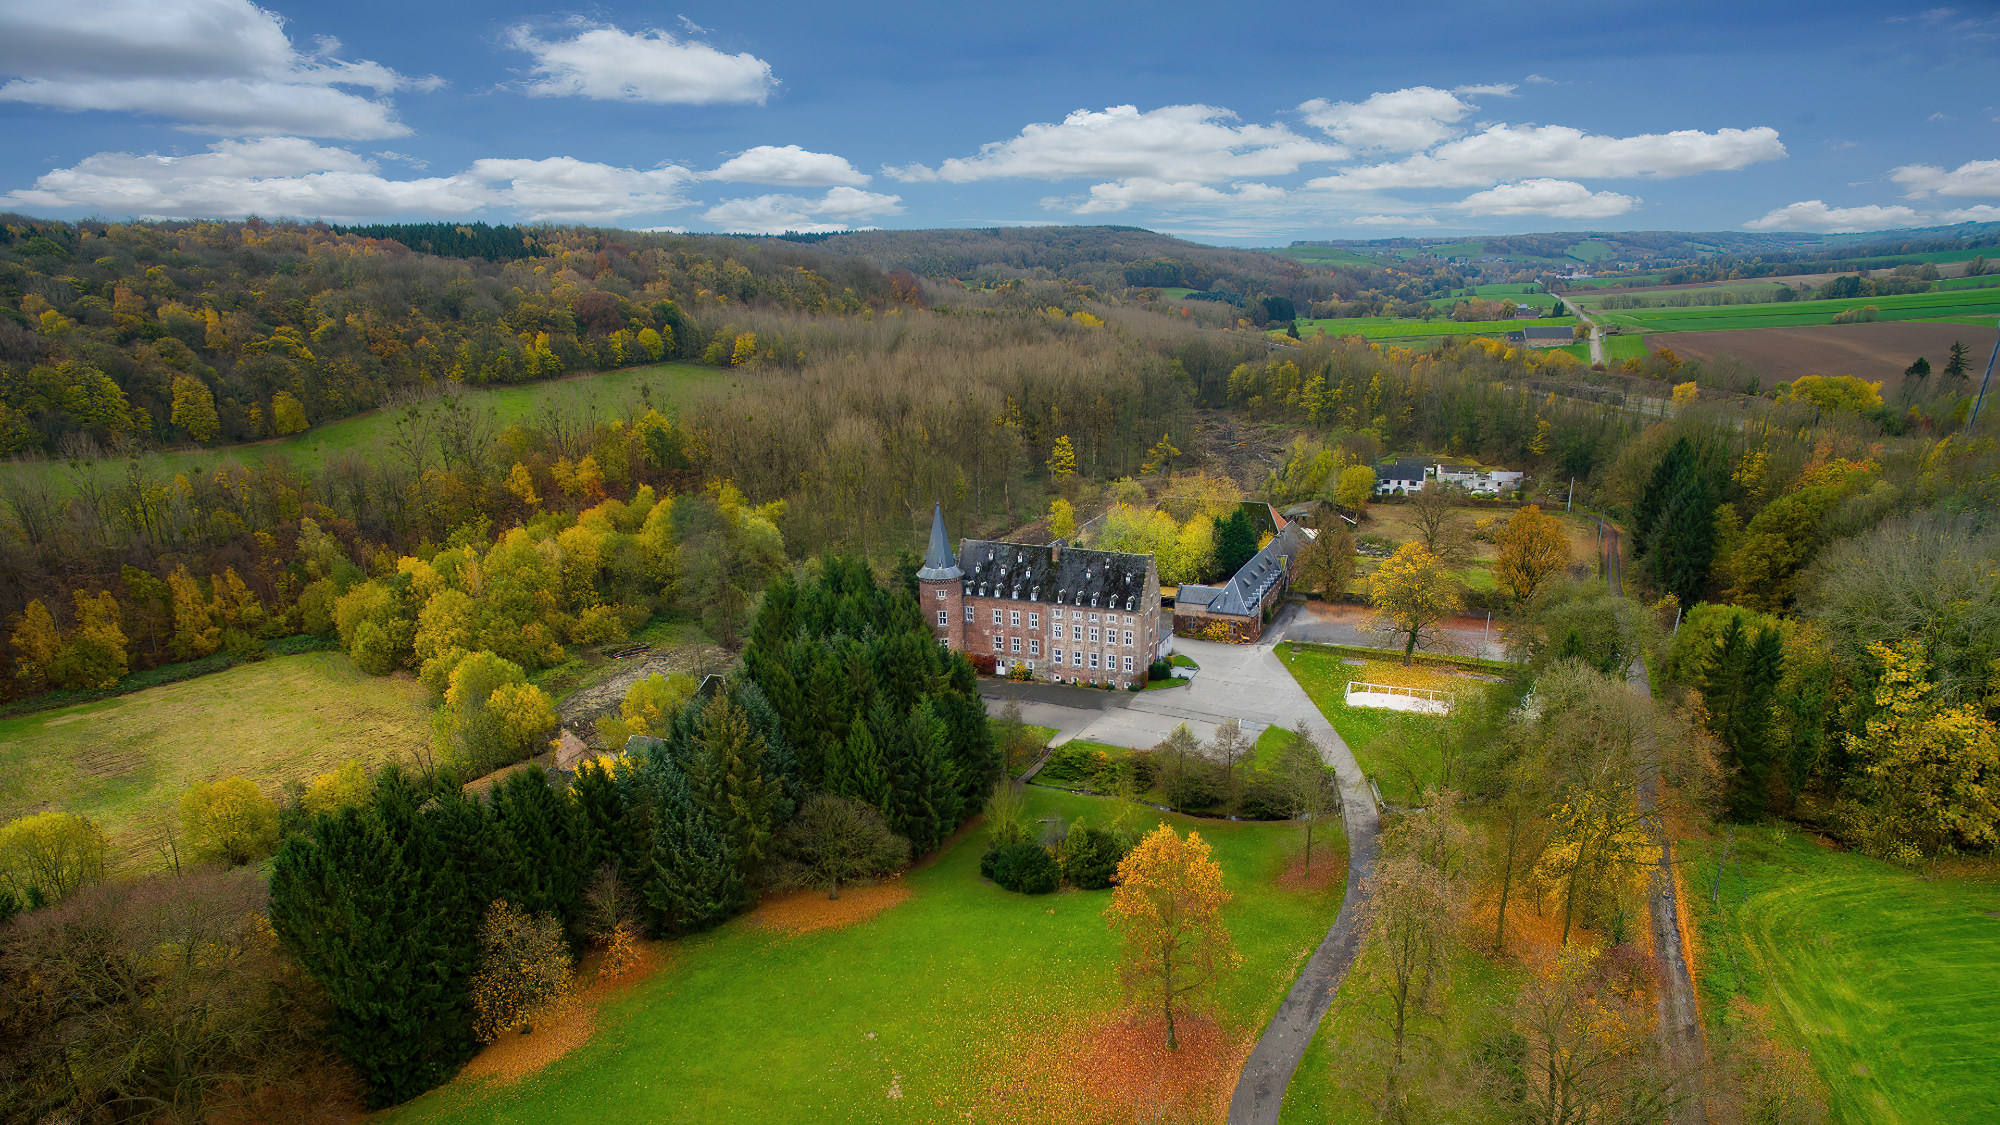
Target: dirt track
[1878,351]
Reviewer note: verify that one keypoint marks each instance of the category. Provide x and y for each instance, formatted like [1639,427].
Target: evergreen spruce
[694,881]
[1739,684]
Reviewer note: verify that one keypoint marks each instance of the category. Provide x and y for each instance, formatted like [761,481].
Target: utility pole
[1568,501]
[1981,400]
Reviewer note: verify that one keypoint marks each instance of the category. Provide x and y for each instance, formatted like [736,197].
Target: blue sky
[1225,123]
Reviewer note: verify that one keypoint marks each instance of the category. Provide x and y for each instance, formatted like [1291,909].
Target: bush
[1265,800]
[1070,764]
[1197,787]
[1027,868]
[1090,858]
[230,821]
[1159,670]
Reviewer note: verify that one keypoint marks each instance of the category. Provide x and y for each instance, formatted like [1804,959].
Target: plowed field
[1871,351]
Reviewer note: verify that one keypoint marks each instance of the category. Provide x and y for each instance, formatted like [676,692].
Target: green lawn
[1404,328]
[1399,750]
[126,761]
[1947,305]
[939,997]
[605,395]
[1890,980]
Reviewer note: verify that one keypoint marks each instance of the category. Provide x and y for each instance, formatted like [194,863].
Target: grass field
[956,1004]
[1400,751]
[1326,254]
[1399,328]
[125,762]
[1793,314]
[1890,980]
[605,395]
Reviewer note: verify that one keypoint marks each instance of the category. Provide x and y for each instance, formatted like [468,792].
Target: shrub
[524,970]
[230,821]
[1265,800]
[1199,786]
[1027,868]
[1070,764]
[1159,670]
[49,856]
[1090,857]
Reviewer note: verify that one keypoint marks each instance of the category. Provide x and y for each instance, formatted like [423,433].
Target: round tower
[940,588]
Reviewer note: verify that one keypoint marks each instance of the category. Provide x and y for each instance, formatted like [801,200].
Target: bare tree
[1309,782]
[1440,526]
[1228,748]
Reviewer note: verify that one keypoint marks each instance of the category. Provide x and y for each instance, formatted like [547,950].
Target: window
[1014,618]
[1034,621]
[1093,660]
[1128,620]
[1093,617]
[1034,647]
[1031,667]
[999,644]
[1015,647]
[1093,634]
[996,617]
[1128,638]
[1057,656]
[940,594]
[943,618]
[968,615]
[1128,664]
[1057,614]
[1076,633]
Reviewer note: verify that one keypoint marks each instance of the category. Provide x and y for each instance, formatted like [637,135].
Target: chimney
[1055,553]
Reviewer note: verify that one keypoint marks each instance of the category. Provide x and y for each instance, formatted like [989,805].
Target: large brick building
[1060,612]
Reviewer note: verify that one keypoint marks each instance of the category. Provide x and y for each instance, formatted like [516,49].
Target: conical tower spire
[939,562]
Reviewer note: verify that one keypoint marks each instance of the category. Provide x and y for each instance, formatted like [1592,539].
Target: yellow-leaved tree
[524,970]
[1414,591]
[1062,519]
[36,643]
[1168,909]
[230,820]
[51,855]
[1932,772]
[649,705]
[1533,549]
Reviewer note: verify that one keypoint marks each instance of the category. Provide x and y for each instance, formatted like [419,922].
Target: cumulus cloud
[292,176]
[1511,152]
[1974,177]
[841,208]
[1562,199]
[1401,120]
[787,164]
[653,66]
[1121,194]
[1814,214]
[1178,143]
[1392,221]
[1978,213]
[218,66]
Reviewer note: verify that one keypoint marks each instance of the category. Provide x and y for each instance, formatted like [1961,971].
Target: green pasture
[1743,290]
[1617,349]
[604,395]
[125,762]
[1889,979]
[1983,281]
[1615,281]
[936,999]
[1406,328]
[1401,751]
[1325,254]
[1948,305]
[1591,250]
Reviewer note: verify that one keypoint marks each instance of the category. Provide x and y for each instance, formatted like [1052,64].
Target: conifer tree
[693,880]
[1739,684]
[544,870]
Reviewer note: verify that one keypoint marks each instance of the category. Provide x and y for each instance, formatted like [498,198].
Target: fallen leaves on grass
[1110,1067]
[513,1057]
[804,911]
[1329,870]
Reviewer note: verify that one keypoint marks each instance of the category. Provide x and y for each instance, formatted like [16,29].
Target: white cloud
[842,208]
[1813,214]
[653,66]
[1511,152]
[563,189]
[1974,177]
[1121,194]
[911,173]
[294,177]
[1401,120]
[1392,221]
[219,66]
[1493,89]
[1562,199]
[1193,143]
[1538,80]
[1978,213]
[787,164]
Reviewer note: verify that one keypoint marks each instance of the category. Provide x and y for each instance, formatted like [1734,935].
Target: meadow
[1401,752]
[1889,978]
[604,395]
[1951,305]
[1401,328]
[125,762]
[959,1001]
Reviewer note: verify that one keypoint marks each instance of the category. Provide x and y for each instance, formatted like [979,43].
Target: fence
[1427,700]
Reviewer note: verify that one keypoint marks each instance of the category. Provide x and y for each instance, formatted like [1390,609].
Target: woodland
[1808,582]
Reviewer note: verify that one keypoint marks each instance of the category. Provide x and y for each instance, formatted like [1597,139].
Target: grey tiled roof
[1054,573]
[938,561]
[1243,594]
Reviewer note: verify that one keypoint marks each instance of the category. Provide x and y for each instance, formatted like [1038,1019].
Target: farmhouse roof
[1517,337]
[1408,468]
[1059,575]
[1547,333]
[938,561]
[1243,594]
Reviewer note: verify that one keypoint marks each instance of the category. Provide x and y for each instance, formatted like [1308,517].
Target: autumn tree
[834,840]
[1229,748]
[1062,461]
[1353,488]
[649,705]
[230,821]
[1168,909]
[1310,786]
[524,970]
[36,642]
[1414,591]
[49,856]
[288,415]
[1062,519]
[1440,525]
[1327,564]
[1928,772]
[1591,1051]
[1160,458]
[1534,547]
[193,409]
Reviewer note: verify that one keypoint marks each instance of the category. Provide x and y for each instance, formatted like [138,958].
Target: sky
[1235,124]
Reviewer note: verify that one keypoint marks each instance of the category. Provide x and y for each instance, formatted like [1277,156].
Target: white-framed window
[1031,667]
[968,615]
[1093,634]
[1014,618]
[1128,664]
[1076,633]
[1034,647]
[943,619]
[1057,614]
[1093,617]
[1093,660]
[996,617]
[1034,620]
[1128,638]
[1128,619]
[1015,646]
[999,644]
[940,594]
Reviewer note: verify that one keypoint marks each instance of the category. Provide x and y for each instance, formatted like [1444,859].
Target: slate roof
[1547,333]
[1243,594]
[1055,573]
[1407,469]
[938,561]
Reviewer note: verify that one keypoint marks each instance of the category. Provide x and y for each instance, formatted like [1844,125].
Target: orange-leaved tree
[1168,907]
[1533,548]
[1414,591]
